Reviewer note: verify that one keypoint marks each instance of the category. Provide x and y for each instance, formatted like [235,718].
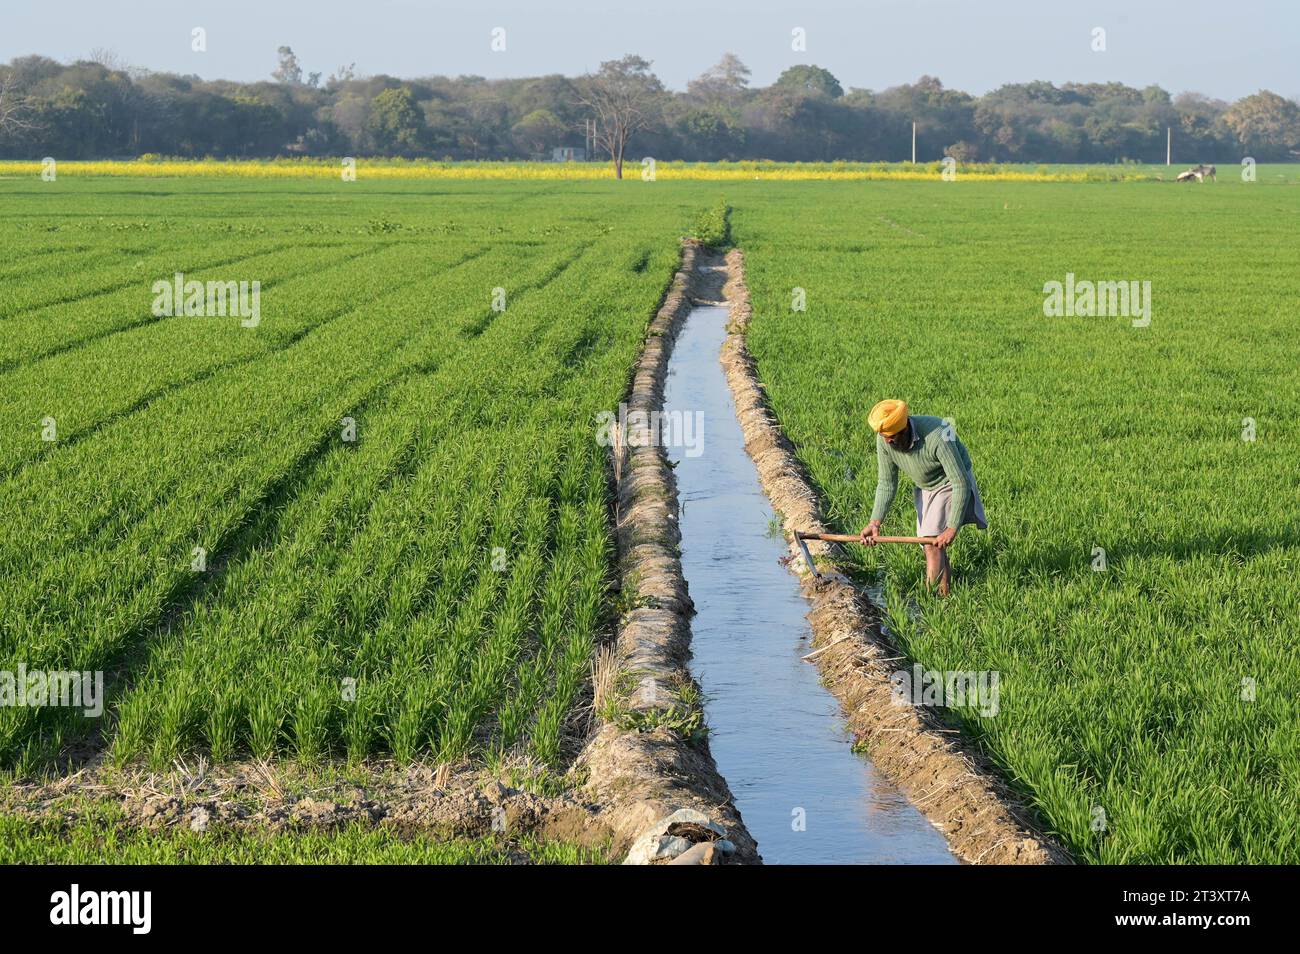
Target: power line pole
[913,143]
[1169,145]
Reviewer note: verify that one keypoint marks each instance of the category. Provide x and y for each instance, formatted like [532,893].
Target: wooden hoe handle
[854,538]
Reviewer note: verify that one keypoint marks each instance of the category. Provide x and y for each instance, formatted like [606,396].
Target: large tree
[396,122]
[288,72]
[15,109]
[810,79]
[1265,123]
[538,130]
[624,96]
[721,84]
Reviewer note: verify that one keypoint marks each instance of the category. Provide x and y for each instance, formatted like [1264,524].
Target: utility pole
[1169,145]
[913,143]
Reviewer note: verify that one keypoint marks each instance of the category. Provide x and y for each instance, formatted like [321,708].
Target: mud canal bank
[776,733]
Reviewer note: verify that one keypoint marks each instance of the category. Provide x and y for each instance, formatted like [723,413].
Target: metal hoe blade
[807,557]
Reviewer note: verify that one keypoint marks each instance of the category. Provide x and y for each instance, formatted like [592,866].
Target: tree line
[100,108]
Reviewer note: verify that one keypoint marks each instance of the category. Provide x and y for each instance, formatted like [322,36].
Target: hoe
[800,537]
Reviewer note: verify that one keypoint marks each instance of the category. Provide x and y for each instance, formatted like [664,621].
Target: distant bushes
[713,227]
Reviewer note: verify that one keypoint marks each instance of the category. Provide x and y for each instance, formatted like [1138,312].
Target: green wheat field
[390,482]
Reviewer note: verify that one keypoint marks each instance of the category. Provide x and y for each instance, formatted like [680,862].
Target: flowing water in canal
[776,733]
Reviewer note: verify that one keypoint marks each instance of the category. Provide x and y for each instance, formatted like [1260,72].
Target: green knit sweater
[930,462]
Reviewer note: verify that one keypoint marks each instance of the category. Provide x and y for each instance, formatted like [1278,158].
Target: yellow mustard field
[569,171]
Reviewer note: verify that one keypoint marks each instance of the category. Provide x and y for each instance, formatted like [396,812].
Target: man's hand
[870,532]
[944,539]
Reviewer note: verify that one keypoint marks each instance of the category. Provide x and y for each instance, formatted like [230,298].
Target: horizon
[1181,47]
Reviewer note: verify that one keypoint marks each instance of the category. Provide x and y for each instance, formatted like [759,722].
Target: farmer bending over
[939,465]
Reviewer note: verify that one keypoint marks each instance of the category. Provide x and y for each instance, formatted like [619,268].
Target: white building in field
[568,154]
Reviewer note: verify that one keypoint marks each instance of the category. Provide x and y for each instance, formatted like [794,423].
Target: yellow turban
[888,417]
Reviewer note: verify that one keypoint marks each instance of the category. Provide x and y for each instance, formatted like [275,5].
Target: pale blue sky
[1221,49]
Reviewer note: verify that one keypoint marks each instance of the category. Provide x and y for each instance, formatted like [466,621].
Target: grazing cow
[1198,173]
